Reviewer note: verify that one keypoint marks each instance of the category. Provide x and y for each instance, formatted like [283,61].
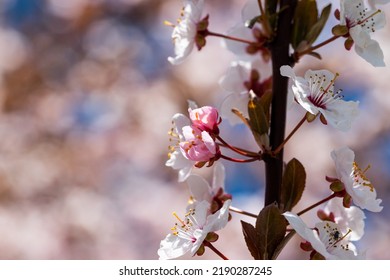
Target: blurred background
[86,100]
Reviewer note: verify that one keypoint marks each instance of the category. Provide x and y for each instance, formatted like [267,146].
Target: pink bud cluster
[199,144]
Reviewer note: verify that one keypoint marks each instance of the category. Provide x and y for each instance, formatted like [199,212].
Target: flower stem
[230,37]
[316,204]
[236,210]
[238,150]
[301,122]
[297,55]
[238,159]
[215,250]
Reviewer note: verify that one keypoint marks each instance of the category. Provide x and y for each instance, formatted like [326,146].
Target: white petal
[380,19]
[350,9]
[363,197]
[235,77]
[340,114]
[199,188]
[209,142]
[218,176]
[372,53]
[180,121]
[184,173]
[201,212]
[343,159]
[173,247]
[219,219]
[306,233]
[238,48]
[287,71]
[347,218]
[236,101]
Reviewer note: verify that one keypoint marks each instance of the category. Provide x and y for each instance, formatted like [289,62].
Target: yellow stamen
[360,177]
[178,218]
[168,23]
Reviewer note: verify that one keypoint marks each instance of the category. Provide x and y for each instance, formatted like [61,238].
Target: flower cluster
[207,213]
[194,140]
[254,85]
[331,238]
[342,222]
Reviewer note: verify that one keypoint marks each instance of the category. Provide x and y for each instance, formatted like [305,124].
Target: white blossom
[190,232]
[327,238]
[184,33]
[315,93]
[200,189]
[361,22]
[356,184]
[176,159]
[347,218]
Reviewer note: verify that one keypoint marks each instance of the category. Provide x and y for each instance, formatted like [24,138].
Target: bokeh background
[86,100]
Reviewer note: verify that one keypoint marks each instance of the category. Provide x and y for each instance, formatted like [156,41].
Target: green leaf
[304,18]
[265,102]
[251,239]
[257,117]
[258,110]
[319,25]
[293,184]
[271,229]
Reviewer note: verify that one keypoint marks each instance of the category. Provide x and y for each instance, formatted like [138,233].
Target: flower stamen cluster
[322,90]
[359,178]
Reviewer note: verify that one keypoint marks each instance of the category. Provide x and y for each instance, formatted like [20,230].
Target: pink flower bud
[205,118]
[198,146]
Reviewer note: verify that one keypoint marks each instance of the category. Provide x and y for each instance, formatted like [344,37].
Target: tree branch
[280,56]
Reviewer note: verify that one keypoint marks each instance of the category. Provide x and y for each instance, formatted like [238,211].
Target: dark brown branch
[280,56]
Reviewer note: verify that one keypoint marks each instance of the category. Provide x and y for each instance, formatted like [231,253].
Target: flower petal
[173,247]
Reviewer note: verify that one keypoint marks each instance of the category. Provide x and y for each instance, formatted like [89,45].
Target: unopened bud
[201,250]
[337,186]
[310,117]
[348,43]
[340,30]
[212,237]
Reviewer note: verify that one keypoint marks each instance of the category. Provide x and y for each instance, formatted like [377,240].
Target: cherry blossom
[197,145]
[205,118]
[243,51]
[327,238]
[240,78]
[215,194]
[356,184]
[176,158]
[185,32]
[360,23]
[346,218]
[315,93]
[191,143]
[189,233]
